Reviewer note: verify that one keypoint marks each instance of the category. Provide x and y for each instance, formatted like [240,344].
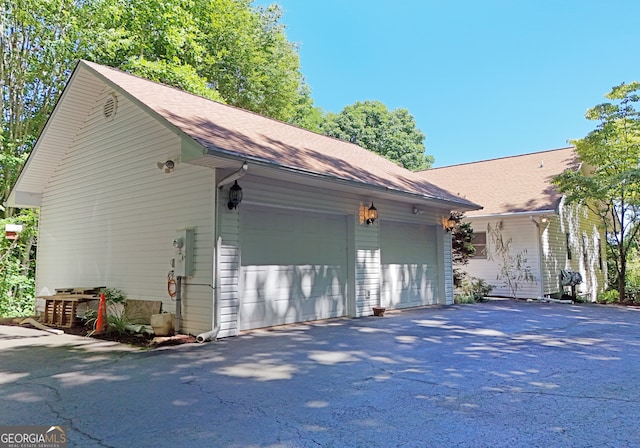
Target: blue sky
[483,79]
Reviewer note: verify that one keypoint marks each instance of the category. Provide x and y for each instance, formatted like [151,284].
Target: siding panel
[523,234]
[109,214]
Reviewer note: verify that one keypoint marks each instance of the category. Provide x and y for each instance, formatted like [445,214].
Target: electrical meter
[183,245]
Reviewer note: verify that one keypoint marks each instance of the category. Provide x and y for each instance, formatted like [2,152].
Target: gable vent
[110,107]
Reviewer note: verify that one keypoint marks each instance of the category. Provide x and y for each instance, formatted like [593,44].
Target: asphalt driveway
[500,374]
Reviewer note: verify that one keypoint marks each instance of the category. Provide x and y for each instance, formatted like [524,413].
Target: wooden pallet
[61,309]
[60,312]
[83,291]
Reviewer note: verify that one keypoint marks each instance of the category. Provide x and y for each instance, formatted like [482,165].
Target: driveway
[499,374]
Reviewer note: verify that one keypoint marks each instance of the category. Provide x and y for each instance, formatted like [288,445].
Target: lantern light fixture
[235,196]
[448,223]
[371,215]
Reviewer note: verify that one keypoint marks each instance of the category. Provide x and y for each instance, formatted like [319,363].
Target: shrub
[117,319]
[474,288]
[609,296]
[464,299]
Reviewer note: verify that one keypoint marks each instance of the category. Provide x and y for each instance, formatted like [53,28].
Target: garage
[408,255]
[293,266]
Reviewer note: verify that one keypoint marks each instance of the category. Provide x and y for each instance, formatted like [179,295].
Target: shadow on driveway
[496,374]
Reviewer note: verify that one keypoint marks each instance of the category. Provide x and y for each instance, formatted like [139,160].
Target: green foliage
[461,246]
[464,300]
[41,41]
[17,266]
[114,296]
[473,290]
[608,296]
[184,77]
[514,268]
[117,319]
[117,323]
[609,183]
[225,50]
[392,134]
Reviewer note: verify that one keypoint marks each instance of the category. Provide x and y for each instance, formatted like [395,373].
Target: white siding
[523,234]
[367,269]
[228,268]
[587,245]
[109,215]
[363,245]
[447,270]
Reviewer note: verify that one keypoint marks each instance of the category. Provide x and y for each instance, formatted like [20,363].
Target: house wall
[587,245]
[109,214]
[546,252]
[523,235]
[363,243]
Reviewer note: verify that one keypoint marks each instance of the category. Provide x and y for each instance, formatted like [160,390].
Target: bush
[17,267]
[464,299]
[609,296]
[117,319]
[473,290]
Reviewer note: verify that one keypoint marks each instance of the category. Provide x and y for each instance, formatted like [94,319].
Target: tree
[225,50]
[461,245]
[221,49]
[392,134]
[609,183]
[40,42]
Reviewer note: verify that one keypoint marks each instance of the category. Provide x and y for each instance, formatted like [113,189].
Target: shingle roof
[508,185]
[227,130]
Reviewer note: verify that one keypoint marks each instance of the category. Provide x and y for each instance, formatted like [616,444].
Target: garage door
[293,266]
[408,255]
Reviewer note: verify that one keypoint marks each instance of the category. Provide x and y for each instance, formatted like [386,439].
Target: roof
[228,131]
[517,184]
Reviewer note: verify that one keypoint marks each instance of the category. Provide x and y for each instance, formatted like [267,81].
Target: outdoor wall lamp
[167,166]
[235,196]
[371,215]
[448,223]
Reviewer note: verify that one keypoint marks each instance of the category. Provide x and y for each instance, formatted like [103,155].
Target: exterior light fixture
[167,166]
[235,196]
[371,215]
[448,223]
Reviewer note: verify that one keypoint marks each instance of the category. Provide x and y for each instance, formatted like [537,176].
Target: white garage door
[408,255]
[293,266]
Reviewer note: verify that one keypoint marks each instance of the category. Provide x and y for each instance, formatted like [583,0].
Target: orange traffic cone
[102,311]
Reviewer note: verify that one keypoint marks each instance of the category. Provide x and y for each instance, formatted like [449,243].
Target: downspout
[215,314]
[178,304]
[539,231]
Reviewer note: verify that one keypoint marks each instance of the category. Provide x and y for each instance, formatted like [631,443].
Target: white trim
[498,215]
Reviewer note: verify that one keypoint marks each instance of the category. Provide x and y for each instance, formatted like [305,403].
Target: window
[568,246]
[480,244]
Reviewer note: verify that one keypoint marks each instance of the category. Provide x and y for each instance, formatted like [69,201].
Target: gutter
[502,215]
[218,152]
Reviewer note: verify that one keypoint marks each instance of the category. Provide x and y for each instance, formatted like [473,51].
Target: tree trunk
[622,279]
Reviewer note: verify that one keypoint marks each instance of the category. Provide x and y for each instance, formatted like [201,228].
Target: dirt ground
[136,340]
